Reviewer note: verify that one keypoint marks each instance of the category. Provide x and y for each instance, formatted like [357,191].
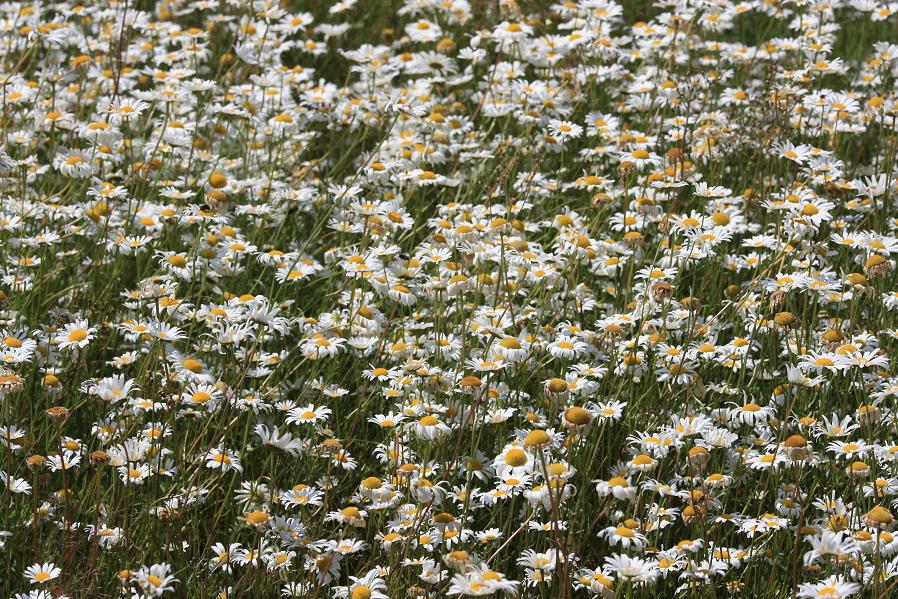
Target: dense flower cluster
[435,298]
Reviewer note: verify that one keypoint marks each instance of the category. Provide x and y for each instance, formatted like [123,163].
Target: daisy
[833,587]
[74,163]
[617,486]
[369,586]
[565,129]
[155,580]
[308,414]
[624,536]
[632,569]
[41,573]
[834,426]
[430,427]
[223,459]
[750,414]
[565,347]
[848,450]
[640,158]
[75,335]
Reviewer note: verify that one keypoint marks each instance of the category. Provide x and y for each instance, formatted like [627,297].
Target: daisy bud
[444,518]
[721,219]
[564,220]
[876,265]
[613,330]
[515,457]
[691,303]
[858,470]
[784,320]
[457,559]
[370,484]
[662,290]
[856,279]
[868,414]
[691,513]
[35,462]
[446,45]
[717,479]
[331,446]
[352,516]
[602,197]
[634,238]
[58,413]
[879,517]
[256,519]
[807,422]
[537,438]
[406,470]
[696,496]
[698,457]
[625,168]
[98,458]
[796,447]
[556,389]
[833,336]
[10,382]
[643,463]
[470,384]
[218,180]
[216,199]
[577,419]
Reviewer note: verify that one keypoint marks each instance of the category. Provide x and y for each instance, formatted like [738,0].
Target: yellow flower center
[78,335]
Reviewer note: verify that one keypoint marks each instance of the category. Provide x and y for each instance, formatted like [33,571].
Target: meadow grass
[436,299]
